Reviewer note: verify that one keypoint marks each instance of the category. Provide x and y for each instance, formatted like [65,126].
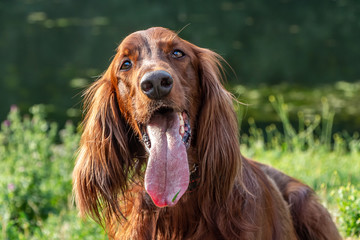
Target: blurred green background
[296,68]
[51,49]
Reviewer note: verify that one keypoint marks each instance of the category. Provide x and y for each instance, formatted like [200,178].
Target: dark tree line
[51,49]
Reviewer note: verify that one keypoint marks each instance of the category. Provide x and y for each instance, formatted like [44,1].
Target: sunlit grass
[342,98]
[37,159]
[312,154]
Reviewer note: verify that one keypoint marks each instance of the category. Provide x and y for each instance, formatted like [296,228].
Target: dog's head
[161,105]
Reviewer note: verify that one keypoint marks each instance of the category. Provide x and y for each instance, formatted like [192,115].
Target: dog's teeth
[182,130]
[146,140]
[181,119]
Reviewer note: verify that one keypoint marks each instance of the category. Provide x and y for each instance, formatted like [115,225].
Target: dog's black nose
[157,84]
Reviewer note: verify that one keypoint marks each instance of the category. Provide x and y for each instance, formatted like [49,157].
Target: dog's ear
[217,131]
[104,162]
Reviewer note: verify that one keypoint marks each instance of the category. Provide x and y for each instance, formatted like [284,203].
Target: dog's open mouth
[167,136]
[184,130]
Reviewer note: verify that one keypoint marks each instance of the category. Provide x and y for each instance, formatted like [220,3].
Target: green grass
[36,162]
[310,153]
[343,97]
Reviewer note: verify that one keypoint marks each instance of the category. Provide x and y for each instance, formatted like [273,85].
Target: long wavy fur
[234,198]
[107,160]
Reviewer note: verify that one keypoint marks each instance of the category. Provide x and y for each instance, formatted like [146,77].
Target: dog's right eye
[178,53]
[126,65]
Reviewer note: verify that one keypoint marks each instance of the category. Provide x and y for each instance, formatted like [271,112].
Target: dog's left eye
[126,65]
[177,54]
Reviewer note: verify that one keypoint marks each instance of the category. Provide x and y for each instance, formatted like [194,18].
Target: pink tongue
[167,172]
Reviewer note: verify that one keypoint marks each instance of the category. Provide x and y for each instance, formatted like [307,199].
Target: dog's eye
[177,54]
[126,65]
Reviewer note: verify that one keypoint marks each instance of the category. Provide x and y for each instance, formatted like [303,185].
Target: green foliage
[35,184]
[310,153]
[57,47]
[37,160]
[302,103]
[349,207]
[312,144]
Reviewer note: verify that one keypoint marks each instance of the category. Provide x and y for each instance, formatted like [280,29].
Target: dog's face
[158,84]
[163,94]
[156,70]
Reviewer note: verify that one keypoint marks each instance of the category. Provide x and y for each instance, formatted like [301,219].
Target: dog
[159,155]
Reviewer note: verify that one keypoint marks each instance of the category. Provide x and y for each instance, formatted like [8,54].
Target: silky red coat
[229,196]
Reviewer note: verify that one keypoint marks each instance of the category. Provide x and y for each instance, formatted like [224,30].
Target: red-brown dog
[160,158]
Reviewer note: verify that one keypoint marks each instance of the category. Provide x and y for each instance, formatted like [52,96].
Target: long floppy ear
[104,163]
[217,130]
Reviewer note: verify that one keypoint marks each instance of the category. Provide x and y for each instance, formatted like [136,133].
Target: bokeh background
[295,64]
[51,49]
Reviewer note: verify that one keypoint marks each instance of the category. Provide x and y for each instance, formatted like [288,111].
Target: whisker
[183,28]
[179,31]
